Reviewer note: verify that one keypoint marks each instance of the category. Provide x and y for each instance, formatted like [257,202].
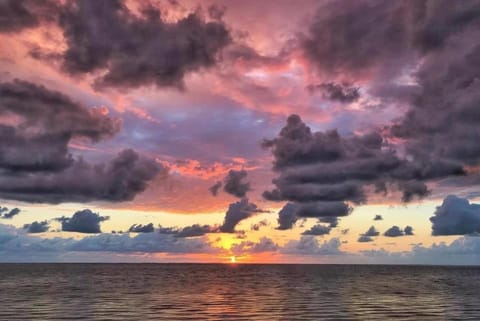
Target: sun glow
[233,259]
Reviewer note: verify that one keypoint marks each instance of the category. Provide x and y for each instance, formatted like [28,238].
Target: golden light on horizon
[233,259]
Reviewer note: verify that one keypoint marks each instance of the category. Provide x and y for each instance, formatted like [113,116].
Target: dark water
[242,292]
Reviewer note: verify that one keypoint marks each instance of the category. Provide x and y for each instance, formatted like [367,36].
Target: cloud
[8,214]
[322,171]
[84,221]
[331,220]
[265,244]
[337,92]
[257,226]
[121,179]
[408,230]
[142,243]
[35,162]
[309,245]
[137,49]
[37,227]
[394,231]
[287,217]
[237,212]
[365,238]
[17,15]
[139,228]
[372,232]
[234,183]
[456,216]
[378,218]
[47,122]
[196,230]
[215,188]
[318,230]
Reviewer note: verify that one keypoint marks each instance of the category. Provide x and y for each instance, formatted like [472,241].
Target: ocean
[237,292]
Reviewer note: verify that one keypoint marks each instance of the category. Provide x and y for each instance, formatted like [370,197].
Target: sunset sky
[270,131]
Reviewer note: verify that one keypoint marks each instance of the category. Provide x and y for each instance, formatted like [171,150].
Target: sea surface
[237,292]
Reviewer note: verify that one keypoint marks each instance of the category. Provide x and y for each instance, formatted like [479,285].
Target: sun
[233,259]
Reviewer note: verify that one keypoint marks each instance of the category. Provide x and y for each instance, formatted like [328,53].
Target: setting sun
[233,259]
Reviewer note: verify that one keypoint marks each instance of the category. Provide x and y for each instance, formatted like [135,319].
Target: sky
[250,131]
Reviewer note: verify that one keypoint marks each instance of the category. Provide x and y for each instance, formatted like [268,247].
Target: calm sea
[241,292]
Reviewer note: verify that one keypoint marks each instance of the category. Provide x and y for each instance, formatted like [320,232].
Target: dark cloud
[342,38]
[139,228]
[408,230]
[343,93]
[47,122]
[237,212]
[371,232]
[394,231]
[235,184]
[456,216]
[323,170]
[287,217]
[378,218]
[365,238]
[196,230]
[35,162]
[37,227]
[84,221]
[318,229]
[121,179]
[331,220]
[188,231]
[16,15]
[137,49]
[214,188]
[8,214]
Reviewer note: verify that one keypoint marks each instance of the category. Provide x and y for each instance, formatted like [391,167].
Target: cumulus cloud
[139,228]
[8,214]
[188,231]
[408,230]
[237,212]
[318,230]
[287,217]
[394,231]
[265,244]
[309,245]
[235,184]
[47,121]
[121,179]
[372,232]
[141,243]
[137,49]
[84,221]
[321,171]
[456,216]
[35,162]
[365,238]
[37,227]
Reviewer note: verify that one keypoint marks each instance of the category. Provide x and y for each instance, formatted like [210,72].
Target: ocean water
[237,292]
